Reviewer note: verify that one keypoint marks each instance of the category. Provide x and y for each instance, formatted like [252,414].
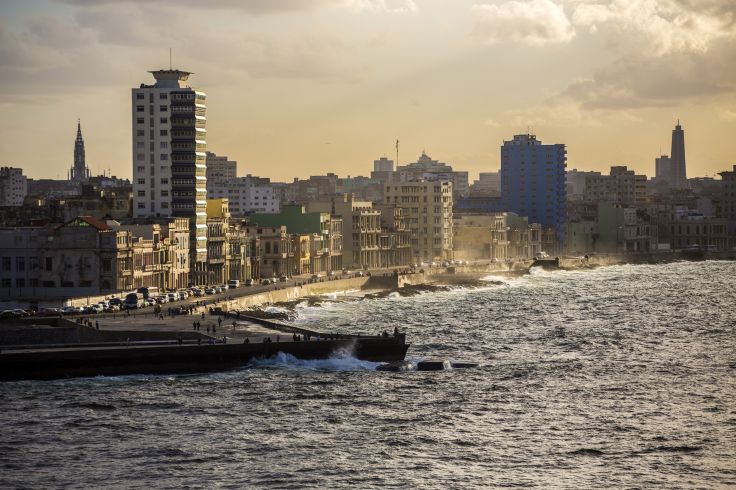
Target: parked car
[49,312]
[330,273]
[316,277]
[265,282]
[115,302]
[283,278]
[235,283]
[112,309]
[224,287]
[209,290]
[183,294]
[197,292]
[70,310]
[13,314]
[249,282]
[162,299]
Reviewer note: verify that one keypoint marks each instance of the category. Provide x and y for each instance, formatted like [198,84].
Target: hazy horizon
[299,87]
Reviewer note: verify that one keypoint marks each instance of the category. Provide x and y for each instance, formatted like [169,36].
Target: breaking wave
[288,361]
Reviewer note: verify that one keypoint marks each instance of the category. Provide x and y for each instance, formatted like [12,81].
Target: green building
[295,219]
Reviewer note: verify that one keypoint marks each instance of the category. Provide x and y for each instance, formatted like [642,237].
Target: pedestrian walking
[97,325]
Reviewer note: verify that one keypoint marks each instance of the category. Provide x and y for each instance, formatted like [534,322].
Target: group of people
[88,323]
[197,326]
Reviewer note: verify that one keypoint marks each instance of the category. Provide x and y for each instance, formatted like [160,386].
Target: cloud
[728,115]
[665,26]
[533,22]
[260,7]
[393,6]
[639,80]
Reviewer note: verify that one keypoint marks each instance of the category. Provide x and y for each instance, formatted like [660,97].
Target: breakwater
[177,359]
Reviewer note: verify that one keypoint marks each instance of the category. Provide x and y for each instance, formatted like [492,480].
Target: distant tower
[79,172]
[677,158]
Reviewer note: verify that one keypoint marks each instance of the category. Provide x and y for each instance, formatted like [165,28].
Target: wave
[340,362]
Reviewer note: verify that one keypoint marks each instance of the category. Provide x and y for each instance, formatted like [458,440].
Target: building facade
[427,208]
[246,195]
[621,186]
[13,186]
[220,169]
[169,159]
[533,181]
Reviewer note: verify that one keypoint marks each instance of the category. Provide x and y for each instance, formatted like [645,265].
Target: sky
[304,87]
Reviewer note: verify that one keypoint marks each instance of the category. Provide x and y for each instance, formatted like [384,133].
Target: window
[164,120]
[164,193]
[140,120]
[20,263]
[140,132]
[6,263]
[106,265]
[140,145]
[141,157]
[20,283]
[141,169]
[164,144]
[49,263]
[139,108]
[164,181]
[142,181]
[164,156]
[164,205]
[141,193]
[164,132]
[163,96]
[141,205]
[140,96]
[6,282]
[34,283]
[163,108]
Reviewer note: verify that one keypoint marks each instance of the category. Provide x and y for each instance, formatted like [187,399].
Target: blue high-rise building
[533,182]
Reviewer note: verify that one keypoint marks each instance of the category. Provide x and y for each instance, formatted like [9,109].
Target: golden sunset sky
[304,87]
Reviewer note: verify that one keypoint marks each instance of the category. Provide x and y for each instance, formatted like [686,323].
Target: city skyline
[359,75]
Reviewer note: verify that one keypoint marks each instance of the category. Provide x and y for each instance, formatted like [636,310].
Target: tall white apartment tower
[169,159]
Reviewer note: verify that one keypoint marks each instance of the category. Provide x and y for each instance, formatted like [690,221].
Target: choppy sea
[621,376]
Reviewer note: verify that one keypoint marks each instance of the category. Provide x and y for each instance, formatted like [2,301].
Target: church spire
[79,171]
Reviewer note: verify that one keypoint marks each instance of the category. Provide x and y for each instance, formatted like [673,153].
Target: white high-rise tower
[169,159]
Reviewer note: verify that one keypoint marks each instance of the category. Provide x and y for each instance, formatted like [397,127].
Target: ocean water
[615,377]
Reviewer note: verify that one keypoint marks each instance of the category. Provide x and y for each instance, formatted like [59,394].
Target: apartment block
[427,207]
[13,186]
[533,181]
[169,159]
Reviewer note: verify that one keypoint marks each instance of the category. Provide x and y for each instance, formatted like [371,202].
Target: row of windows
[142,120]
[20,263]
[141,157]
[142,96]
[162,108]
[164,193]
[141,132]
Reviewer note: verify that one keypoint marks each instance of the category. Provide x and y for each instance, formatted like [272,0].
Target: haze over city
[298,88]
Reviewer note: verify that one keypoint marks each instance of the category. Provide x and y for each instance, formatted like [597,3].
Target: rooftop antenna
[170,59]
[397,153]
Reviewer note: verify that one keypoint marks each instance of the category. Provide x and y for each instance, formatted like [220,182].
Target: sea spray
[334,363]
